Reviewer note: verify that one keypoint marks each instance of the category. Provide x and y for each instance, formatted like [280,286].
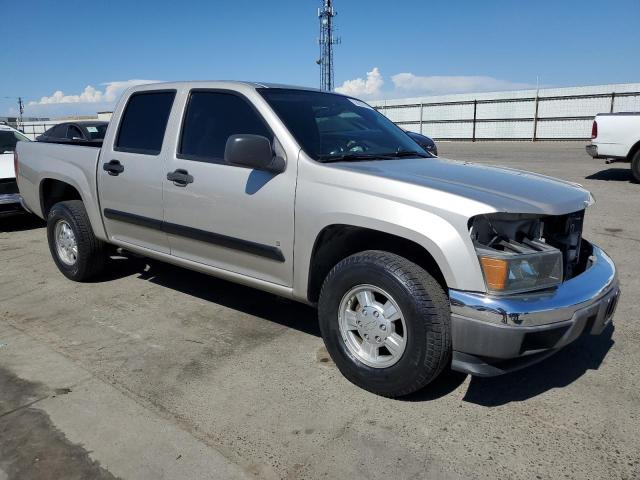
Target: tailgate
[6,166]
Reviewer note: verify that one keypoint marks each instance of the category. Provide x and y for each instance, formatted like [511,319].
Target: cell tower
[327,40]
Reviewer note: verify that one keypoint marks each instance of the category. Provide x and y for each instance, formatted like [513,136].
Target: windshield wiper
[355,156]
[408,153]
[343,157]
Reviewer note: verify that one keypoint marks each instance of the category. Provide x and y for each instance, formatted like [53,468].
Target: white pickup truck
[416,263]
[616,136]
[10,199]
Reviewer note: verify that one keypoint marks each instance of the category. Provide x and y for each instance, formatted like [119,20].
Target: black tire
[92,252]
[426,310]
[635,167]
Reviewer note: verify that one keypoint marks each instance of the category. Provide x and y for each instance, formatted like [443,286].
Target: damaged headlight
[513,254]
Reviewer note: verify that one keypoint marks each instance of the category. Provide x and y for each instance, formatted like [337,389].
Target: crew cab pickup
[616,137]
[416,263]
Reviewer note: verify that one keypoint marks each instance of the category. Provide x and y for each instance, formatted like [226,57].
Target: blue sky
[413,47]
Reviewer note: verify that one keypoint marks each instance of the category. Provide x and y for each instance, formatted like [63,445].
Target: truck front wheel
[76,251]
[635,166]
[385,322]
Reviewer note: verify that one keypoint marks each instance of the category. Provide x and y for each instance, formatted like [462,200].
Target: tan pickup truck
[416,263]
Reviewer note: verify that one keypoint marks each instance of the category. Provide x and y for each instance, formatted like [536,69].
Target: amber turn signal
[495,272]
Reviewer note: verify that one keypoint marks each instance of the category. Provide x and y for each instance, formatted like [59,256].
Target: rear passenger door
[230,217]
[131,172]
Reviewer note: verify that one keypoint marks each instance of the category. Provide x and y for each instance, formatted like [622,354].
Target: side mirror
[252,151]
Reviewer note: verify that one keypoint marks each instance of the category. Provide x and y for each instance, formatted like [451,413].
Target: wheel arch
[633,150]
[338,241]
[53,190]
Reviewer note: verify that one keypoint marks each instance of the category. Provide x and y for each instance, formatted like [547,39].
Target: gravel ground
[158,372]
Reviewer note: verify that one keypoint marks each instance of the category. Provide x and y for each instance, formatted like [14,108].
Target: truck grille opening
[509,234]
[565,233]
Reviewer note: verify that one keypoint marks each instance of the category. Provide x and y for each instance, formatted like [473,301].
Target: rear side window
[144,122]
[49,132]
[59,131]
[211,118]
[74,133]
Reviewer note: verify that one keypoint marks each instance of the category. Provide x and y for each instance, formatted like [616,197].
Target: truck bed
[73,164]
[82,143]
[617,133]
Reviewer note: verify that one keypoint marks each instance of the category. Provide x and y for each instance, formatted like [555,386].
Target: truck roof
[230,84]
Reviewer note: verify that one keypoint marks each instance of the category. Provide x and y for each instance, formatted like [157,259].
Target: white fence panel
[525,109]
[552,113]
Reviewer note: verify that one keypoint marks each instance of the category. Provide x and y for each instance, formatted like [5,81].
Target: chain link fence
[32,130]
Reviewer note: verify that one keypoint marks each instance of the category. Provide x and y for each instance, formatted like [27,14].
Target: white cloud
[87,102]
[363,87]
[440,85]
[409,84]
[90,94]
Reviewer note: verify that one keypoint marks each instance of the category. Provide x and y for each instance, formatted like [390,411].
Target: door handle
[113,168]
[180,177]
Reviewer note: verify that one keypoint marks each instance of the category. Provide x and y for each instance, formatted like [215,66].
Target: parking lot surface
[158,372]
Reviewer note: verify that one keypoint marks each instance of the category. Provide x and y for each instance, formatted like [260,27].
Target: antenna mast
[326,41]
[20,109]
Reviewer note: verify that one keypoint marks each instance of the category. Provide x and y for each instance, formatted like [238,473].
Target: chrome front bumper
[492,335]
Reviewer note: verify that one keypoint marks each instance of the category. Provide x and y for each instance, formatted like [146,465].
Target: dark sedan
[74,132]
[425,142]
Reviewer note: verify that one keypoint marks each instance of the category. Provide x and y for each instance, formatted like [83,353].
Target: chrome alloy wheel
[66,244]
[372,326]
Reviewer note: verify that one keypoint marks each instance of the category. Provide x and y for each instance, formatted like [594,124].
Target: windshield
[9,138]
[96,132]
[332,127]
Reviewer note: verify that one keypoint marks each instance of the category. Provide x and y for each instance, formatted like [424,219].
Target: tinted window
[211,119]
[74,132]
[59,131]
[97,131]
[144,122]
[49,132]
[8,140]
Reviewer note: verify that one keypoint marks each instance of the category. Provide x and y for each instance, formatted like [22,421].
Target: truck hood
[6,165]
[504,189]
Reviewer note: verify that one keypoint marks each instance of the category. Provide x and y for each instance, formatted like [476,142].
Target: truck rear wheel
[76,251]
[385,322]
[635,167]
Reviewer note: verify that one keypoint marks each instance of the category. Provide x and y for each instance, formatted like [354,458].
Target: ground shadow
[447,382]
[557,371]
[612,174]
[211,289]
[20,222]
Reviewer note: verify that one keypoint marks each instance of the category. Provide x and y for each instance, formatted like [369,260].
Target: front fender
[445,239]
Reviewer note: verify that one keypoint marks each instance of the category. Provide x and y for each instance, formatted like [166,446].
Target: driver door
[229,217]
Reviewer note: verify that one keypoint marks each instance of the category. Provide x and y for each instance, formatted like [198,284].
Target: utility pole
[20,109]
[326,41]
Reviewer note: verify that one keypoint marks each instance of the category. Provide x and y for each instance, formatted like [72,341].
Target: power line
[20,106]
